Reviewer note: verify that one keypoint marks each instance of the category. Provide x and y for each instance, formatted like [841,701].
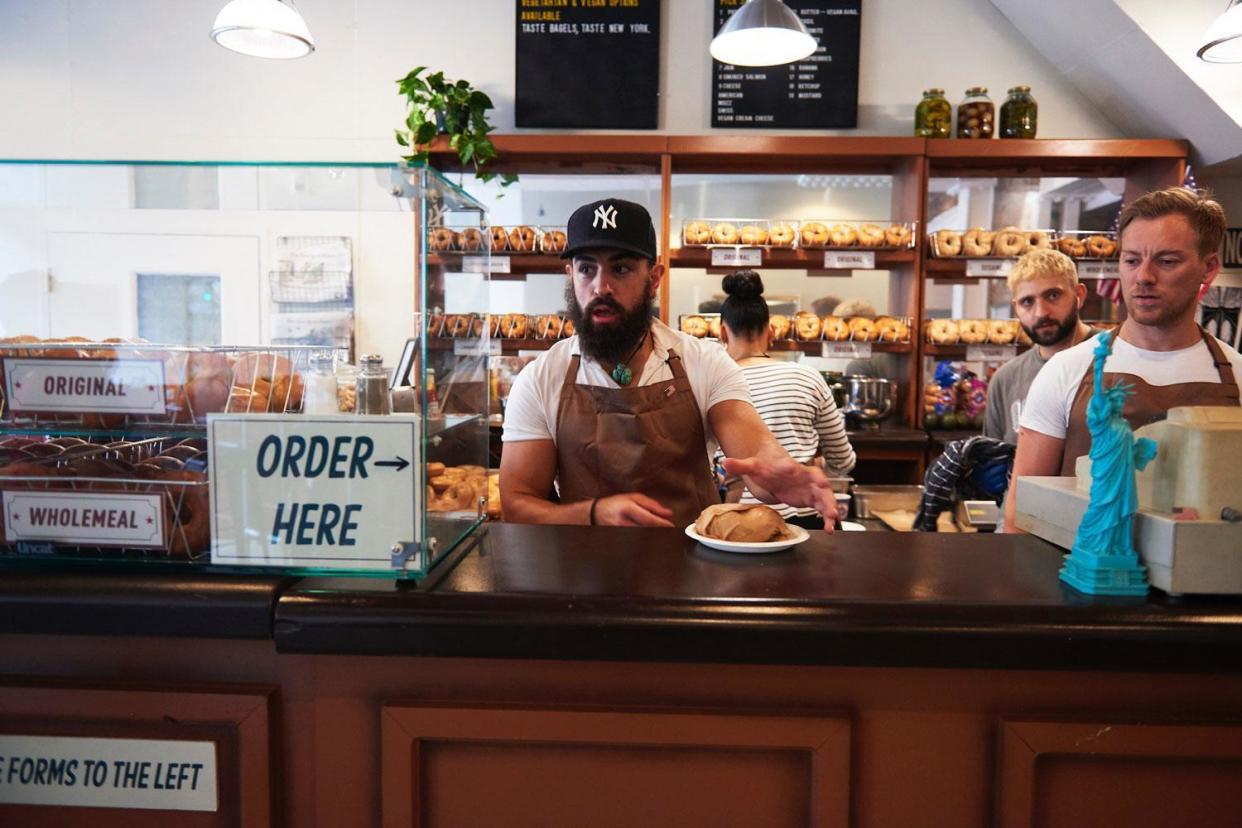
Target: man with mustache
[624,415]
[1170,253]
[1047,297]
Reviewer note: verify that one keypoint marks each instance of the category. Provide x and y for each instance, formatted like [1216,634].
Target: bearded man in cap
[622,418]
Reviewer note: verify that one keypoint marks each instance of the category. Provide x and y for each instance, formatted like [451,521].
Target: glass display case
[158,324]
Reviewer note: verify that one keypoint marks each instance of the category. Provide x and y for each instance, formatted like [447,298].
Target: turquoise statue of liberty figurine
[1103,560]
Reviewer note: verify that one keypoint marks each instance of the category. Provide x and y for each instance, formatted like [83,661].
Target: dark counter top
[882,599]
[888,437]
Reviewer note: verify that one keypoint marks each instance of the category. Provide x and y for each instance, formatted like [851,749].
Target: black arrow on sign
[399,464]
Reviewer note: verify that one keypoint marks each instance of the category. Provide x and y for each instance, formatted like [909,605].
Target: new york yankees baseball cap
[611,222]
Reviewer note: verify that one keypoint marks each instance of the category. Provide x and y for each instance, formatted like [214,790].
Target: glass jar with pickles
[1019,114]
[976,114]
[933,117]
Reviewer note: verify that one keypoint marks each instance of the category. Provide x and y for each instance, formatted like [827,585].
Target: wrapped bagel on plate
[742,523]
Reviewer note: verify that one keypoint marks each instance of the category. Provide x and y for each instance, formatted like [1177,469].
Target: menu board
[818,92]
[590,64]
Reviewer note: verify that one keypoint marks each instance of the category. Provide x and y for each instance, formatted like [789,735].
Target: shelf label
[314,491]
[737,256]
[131,386]
[849,260]
[1098,270]
[85,518]
[70,771]
[988,267]
[847,350]
[476,348]
[483,264]
[991,353]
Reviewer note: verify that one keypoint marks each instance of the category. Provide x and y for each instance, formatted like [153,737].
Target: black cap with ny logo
[611,223]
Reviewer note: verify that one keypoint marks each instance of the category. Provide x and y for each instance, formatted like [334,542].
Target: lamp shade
[762,33]
[1223,41]
[263,28]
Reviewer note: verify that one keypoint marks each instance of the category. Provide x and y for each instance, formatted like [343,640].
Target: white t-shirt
[1048,403]
[536,394]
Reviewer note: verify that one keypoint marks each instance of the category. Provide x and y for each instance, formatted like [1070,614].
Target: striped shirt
[800,412]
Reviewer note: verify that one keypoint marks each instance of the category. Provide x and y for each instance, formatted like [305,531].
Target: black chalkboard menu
[818,92]
[588,63]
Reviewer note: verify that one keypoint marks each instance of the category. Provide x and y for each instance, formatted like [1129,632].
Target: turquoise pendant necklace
[621,373]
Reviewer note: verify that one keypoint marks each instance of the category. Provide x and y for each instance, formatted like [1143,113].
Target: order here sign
[313,492]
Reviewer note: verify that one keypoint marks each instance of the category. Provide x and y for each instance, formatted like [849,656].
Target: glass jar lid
[976,90]
[933,93]
[1020,90]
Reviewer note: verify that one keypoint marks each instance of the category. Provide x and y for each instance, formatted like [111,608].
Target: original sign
[86,518]
[988,267]
[485,264]
[313,492]
[151,774]
[737,256]
[849,260]
[847,350]
[1098,270]
[131,386]
[818,92]
[990,353]
[476,347]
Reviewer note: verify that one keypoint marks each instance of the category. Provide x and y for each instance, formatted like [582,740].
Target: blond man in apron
[618,420]
[1170,243]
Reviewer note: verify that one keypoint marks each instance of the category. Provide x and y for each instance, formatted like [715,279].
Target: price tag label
[476,347]
[1098,270]
[87,518]
[988,267]
[849,260]
[737,256]
[990,353]
[131,386]
[480,264]
[847,350]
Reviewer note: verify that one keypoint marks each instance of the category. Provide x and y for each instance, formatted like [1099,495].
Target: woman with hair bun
[793,399]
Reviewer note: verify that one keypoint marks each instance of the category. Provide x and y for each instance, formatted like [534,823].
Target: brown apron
[1147,403]
[645,439]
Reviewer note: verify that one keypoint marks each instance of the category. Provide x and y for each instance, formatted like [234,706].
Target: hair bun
[743,284]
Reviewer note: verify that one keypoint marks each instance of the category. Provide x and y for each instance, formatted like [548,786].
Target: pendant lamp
[762,33]
[1223,41]
[263,28]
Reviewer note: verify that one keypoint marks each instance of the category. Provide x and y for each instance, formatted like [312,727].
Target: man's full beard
[609,343]
[1063,329]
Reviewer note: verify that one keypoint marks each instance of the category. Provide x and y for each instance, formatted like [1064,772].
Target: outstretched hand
[786,481]
[631,509]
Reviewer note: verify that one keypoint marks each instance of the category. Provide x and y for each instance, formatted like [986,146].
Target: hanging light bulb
[1222,43]
[762,33]
[263,28]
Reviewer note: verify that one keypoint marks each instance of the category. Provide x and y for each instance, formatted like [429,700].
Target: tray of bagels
[974,332]
[521,238]
[1011,242]
[499,325]
[805,326]
[815,234]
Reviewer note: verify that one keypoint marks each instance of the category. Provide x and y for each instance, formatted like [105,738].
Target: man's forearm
[526,508]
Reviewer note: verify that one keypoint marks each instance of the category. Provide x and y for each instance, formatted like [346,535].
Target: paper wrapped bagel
[742,523]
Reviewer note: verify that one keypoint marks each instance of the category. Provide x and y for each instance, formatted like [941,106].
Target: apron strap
[1223,366]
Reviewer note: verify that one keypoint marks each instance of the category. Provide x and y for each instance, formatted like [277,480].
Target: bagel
[807,326]
[456,324]
[1037,239]
[476,327]
[552,241]
[500,239]
[694,325]
[522,238]
[435,322]
[713,326]
[778,325]
[871,235]
[781,235]
[1101,246]
[948,243]
[246,401]
[752,234]
[978,242]
[724,233]
[898,236]
[1002,331]
[836,329]
[187,507]
[842,235]
[548,327]
[517,326]
[696,232]
[442,239]
[567,329]
[972,331]
[1073,247]
[942,331]
[1009,243]
[889,329]
[470,239]
[862,329]
[814,234]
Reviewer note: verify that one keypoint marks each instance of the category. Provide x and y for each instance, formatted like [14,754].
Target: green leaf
[401,139]
[465,151]
[480,99]
[425,133]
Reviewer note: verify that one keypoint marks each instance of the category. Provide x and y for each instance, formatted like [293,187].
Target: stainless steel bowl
[868,399]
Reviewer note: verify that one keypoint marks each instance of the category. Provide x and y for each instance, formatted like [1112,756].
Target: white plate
[848,526]
[800,535]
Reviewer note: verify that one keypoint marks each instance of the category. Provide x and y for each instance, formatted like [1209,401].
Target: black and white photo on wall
[817,92]
[588,65]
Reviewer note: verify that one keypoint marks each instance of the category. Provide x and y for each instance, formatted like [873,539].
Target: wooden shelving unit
[792,258]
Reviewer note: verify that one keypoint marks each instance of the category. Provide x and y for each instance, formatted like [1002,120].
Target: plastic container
[320,396]
[1019,114]
[933,117]
[976,114]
